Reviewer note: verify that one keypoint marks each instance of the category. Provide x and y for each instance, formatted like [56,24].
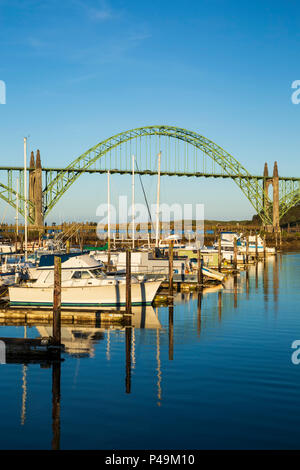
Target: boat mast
[25,194]
[108,214]
[157,202]
[17,209]
[133,207]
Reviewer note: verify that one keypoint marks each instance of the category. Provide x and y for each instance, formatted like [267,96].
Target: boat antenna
[145,197]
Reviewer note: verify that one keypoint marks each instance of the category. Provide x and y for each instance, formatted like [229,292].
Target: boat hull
[90,297]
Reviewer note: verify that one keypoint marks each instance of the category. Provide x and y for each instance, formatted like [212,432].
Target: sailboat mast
[133,207]
[157,202]
[108,211]
[25,194]
[17,208]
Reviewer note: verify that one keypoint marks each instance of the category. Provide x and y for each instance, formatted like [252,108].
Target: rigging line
[143,189]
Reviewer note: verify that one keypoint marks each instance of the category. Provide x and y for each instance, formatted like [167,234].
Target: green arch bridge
[183,153]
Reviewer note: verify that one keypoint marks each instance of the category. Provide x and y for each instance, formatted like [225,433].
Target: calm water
[214,373]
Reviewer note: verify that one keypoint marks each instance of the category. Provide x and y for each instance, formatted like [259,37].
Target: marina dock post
[265,243]
[57,301]
[256,248]
[219,254]
[171,245]
[247,249]
[235,253]
[128,281]
[199,271]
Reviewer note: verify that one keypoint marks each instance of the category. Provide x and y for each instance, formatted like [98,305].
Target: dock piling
[256,248]
[199,271]
[57,301]
[171,245]
[128,281]
[219,254]
[247,249]
[235,253]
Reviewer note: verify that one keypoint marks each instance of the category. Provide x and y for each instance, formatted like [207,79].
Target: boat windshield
[81,275]
[97,272]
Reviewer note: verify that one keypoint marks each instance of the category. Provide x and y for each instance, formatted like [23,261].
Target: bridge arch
[250,186]
[9,195]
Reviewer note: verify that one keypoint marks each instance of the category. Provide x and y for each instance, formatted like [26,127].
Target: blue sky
[80,71]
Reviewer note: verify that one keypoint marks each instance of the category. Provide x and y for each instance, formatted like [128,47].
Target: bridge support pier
[274,181]
[36,191]
[266,185]
[276,226]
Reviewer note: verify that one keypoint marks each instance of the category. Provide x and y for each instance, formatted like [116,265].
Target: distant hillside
[291,217]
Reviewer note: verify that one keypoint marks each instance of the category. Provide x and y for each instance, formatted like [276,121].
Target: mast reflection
[171,332]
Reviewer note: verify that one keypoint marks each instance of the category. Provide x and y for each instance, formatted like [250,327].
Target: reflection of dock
[80,339]
[143,317]
[28,350]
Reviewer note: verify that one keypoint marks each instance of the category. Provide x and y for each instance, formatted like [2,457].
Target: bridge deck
[149,172]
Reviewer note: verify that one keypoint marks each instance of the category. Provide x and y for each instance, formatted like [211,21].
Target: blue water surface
[216,373]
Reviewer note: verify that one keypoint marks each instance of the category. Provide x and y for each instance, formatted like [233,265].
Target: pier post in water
[171,245]
[57,301]
[247,249]
[219,254]
[199,271]
[256,248]
[235,253]
[128,281]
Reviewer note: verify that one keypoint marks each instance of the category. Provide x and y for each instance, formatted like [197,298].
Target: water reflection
[165,329]
[171,333]
[56,374]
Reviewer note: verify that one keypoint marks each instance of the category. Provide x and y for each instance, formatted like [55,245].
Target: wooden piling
[256,248]
[235,253]
[128,281]
[199,271]
[171,245]
[247,249]
[57,301]
[265,243]
[219,254]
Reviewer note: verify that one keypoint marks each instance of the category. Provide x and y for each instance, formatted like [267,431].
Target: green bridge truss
[184,153]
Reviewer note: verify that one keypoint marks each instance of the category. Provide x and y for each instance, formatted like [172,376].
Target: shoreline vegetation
[85,233]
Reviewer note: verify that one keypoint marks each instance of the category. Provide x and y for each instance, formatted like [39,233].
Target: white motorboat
[84,285]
